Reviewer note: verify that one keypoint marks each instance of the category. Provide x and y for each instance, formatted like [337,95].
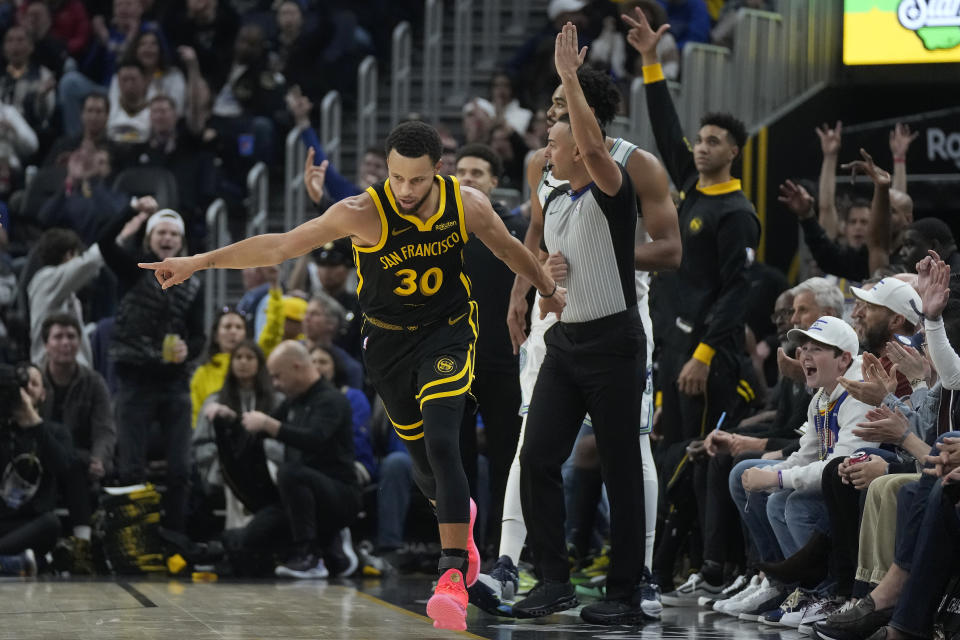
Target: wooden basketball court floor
[362,609]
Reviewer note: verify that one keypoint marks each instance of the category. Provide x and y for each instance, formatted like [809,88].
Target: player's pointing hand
[171,271]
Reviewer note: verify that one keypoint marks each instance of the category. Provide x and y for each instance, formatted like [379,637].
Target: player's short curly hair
[733,126]
[413,139]
[601,93]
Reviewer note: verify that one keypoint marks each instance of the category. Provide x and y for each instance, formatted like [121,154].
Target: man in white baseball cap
[888,308]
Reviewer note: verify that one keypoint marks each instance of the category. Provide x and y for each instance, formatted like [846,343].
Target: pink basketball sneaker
[473,554]
[448,604]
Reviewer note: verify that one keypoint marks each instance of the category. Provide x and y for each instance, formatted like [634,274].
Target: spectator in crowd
[283,318]
[174,146]
[77,398]
[689,20]
[18,143]
[25,84]
[923,236]
[249,103]
[479,118]
[505,103]
[129,119]
[901,137]
[32,455]
[531,66]
[63,267]
[373,165]
[209,27]
[93,135]
[256,284]
[154,335]
[723,31]
[329,368]
[48,50]
[914,579]
[163,79]
[229,329]
[496,383]
[86,203]
[112,40]
[321,325]
[796,509]
[891,212]
[512,149]
[99,65]
[71,25]
[295,49]
[890,308]
[770,435]
[333,275]
[225,454]
[317,482]
[536,136]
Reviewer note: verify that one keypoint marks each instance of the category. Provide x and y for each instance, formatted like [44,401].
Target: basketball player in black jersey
[420,324]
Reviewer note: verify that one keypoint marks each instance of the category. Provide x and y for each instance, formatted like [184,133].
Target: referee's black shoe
[615,610]
[546,598]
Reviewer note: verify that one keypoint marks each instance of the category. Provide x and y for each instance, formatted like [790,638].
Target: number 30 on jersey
[410,282]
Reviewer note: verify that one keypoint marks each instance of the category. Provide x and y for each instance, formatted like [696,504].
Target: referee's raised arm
[587,134]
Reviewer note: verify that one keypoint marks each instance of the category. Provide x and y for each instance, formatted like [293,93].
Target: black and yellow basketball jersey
[414,274]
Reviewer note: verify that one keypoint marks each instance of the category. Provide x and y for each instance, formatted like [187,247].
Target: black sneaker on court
[620,610]
[307,567]
[855,623]
[494,592]
[546,598]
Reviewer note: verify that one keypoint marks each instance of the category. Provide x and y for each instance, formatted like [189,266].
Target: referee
[594,362]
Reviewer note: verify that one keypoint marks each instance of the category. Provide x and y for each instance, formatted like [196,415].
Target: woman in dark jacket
[155,334]
[31,457]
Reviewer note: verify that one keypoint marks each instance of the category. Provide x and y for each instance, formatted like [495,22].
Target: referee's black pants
[596,367]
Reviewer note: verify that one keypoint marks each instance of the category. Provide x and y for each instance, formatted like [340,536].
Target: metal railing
[518,18]
[462,52]
[758,68]
[432,42]
[294,193]
[366,110]
[258,196]
[401,73]
[705,77]
[215,285]
[491,33]
[776,57]
[331,127]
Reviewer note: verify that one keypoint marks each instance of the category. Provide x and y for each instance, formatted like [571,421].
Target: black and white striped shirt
[595,233]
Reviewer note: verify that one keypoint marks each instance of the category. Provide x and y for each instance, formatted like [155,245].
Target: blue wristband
[780,478]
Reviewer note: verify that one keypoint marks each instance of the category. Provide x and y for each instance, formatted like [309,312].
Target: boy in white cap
[795,510]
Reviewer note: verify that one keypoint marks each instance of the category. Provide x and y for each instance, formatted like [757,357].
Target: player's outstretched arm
[489,228]
[345,218]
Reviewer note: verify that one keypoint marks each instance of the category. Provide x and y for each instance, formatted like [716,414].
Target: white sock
[82,532]
[513,531]
[651,487]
